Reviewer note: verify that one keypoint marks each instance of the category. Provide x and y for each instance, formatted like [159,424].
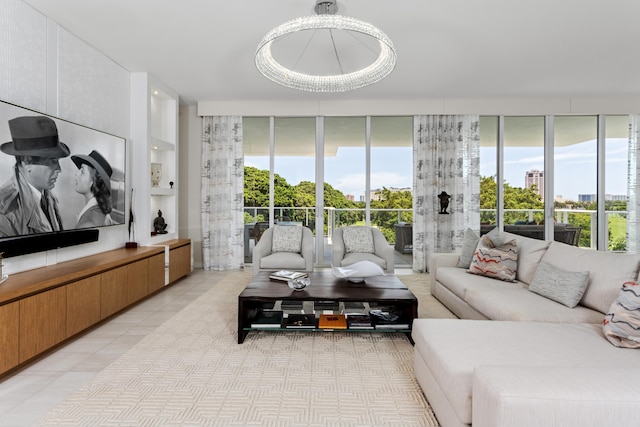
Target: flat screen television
[60,182]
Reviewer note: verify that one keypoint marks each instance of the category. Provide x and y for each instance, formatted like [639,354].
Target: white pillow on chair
[286,238]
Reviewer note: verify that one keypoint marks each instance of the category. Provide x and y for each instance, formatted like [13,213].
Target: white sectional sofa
[537,362]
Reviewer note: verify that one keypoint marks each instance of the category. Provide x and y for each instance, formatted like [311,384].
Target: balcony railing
[335,217]
[583,218]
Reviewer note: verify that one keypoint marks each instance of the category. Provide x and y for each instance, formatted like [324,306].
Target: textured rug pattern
[191,371]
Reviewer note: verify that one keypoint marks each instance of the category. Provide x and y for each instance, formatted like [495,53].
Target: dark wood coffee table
[384,290]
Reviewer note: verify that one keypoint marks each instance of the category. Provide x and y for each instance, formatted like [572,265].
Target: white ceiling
[204,49]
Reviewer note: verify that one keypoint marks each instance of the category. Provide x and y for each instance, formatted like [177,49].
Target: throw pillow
[358,239]
[497,262]
[621,325]
[286,238]
[469,244]
[565,287]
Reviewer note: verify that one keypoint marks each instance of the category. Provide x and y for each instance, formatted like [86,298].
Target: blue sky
[575,167]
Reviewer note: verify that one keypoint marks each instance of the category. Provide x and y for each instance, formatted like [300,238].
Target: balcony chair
[284,247]
[362,243]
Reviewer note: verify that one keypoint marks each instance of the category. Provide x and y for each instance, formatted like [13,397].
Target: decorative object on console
[444,202]
[156,174]
[326,19]
[131,228]
[171,184]
[159,225]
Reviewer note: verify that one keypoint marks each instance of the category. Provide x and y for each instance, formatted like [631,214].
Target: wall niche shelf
[154,123]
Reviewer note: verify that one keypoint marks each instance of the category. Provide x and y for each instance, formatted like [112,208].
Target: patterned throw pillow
[358,239]
[287,238]
[621,325]
[497,262]
[565,287]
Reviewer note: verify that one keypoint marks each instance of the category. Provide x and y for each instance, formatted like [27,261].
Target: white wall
[45,68]
[190,158]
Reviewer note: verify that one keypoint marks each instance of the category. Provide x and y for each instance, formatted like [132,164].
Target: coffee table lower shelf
[245,331]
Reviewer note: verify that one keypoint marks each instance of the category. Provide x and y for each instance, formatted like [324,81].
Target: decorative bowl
[299,283]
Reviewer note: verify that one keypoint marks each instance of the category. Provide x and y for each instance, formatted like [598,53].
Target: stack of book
[387,320]
[359,321]
[301,321]
[332,321]
[267,319]
[286,275]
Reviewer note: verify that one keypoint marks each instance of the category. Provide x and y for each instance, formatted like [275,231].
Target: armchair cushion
[286,238]
[358,240]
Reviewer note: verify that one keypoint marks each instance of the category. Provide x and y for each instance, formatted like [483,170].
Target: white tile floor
[33,391]
[30,393]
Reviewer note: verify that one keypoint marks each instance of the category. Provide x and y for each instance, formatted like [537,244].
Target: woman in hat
[93,181]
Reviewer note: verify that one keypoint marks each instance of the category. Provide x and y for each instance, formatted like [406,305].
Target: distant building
[377,193]
[535,177]
[350,197]
[588,198]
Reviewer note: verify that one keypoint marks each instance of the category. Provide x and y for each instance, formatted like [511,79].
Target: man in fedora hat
[26,203]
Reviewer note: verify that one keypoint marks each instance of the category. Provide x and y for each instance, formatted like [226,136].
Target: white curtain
[446,156]
[222,193]
[633,206]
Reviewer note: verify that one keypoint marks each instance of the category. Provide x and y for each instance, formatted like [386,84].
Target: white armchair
[286,254]
[357,248]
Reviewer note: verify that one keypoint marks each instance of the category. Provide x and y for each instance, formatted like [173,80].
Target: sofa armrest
[555,396]
[437,260]
[261,249]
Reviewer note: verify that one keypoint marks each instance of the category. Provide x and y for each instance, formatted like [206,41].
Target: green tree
[514,198]
[385,220]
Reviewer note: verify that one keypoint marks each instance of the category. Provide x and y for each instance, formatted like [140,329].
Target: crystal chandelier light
[327,20]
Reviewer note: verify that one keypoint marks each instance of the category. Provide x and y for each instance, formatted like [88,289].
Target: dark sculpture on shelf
[159,226]
[444,202]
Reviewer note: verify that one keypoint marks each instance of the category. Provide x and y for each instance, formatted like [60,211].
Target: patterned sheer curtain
[633,206]
[222,193]
[446,156]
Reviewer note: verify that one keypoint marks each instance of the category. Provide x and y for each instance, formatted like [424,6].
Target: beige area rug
[191,371]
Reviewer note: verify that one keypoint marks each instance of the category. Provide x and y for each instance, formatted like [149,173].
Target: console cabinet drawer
[9,333]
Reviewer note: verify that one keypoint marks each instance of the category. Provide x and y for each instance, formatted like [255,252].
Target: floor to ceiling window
[366,180]
[366,176]
[616,181]
[575,156]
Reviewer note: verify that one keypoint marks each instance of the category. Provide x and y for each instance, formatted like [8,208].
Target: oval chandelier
[326,19]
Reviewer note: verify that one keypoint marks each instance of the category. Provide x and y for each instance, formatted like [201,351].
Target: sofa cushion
[459,281]
[358,240]
[563,286]
[469,244]
[283,261]
[497,262]
[515,302]
[286,238]
[453,348]
[621,325]
[607,270]
[530,252]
